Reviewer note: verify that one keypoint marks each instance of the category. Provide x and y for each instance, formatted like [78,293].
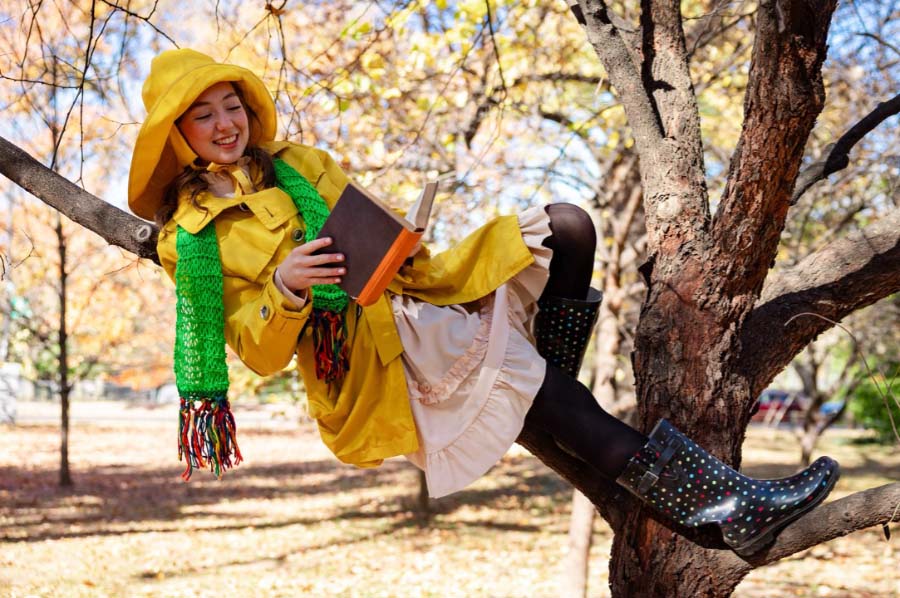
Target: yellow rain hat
[177,78]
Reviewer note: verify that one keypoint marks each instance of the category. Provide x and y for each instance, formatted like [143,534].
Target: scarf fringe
[207,436]
[329,329]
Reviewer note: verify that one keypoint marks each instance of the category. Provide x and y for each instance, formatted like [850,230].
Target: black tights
[573,242]
[564,407]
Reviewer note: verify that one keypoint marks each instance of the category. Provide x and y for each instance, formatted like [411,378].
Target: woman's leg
[567,410]
[574,242]
[568,307]
[672,474]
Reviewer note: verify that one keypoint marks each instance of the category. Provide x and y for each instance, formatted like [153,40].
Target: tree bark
[65,475]
[581,535]
[115,226]
[704,276]
[800,303]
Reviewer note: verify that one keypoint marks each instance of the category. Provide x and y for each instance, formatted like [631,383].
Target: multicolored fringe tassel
[207,435]
[329,330]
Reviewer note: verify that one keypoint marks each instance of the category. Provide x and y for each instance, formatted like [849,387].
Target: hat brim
[154,163]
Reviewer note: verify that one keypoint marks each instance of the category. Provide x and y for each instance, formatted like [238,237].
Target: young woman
[444,367]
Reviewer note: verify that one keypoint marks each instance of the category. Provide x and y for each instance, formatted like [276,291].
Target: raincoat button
[264,312]
[298,234]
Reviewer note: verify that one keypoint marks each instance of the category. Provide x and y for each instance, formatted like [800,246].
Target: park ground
[292,521]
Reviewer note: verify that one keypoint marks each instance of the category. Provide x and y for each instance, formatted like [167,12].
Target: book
[374,239]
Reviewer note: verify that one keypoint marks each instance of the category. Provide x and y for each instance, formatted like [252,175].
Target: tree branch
[838,158]
[785,95]
[667,77]
[114,225]
[841,277]
[129,13]
[609,44]
[625,30]
[605,494]
[487,102]
[711,25]
[655,88]
[858,511]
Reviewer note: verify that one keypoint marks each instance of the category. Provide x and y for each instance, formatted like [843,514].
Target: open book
[374,239]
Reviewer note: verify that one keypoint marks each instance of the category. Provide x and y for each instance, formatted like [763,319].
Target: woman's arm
[261,324]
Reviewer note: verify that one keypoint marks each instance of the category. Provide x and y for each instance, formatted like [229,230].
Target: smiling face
[216,125]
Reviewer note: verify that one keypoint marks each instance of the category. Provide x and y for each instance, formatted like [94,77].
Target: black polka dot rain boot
[562,329]
[688,485]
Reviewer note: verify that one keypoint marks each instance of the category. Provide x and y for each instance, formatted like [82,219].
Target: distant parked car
[830,408]
[773,401]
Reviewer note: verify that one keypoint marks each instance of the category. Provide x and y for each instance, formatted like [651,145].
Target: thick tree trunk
[705,275]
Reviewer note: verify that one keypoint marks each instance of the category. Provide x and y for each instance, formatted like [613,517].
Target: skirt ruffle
[472,371]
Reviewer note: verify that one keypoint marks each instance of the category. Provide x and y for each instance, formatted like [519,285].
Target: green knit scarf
[207,431]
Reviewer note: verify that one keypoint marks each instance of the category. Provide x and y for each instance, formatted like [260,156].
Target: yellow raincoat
[366,417]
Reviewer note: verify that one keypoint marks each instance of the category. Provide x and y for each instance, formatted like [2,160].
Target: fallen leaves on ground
[292,521]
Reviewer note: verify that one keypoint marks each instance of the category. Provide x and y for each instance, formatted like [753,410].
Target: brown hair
[190,180]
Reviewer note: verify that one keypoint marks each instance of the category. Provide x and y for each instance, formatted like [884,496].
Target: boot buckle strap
[648,480]
[651,476]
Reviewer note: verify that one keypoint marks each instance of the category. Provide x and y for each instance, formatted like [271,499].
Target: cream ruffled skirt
[472,371]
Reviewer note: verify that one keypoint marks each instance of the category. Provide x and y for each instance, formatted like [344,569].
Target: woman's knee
[573,229]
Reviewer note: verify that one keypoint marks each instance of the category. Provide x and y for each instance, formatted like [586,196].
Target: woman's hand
[301,269]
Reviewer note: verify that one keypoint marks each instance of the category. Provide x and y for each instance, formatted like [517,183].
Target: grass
[291,521]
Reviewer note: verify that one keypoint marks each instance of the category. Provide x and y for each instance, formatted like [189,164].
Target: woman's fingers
[323,272]
[325,258]
[314,246]
[308,251]
[303,268]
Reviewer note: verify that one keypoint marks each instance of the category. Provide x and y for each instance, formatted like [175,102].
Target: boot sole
[762,541]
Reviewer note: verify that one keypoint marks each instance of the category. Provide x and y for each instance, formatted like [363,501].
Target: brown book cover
[374,239]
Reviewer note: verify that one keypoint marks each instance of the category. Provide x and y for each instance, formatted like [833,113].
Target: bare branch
[881,41]
[841,277]
[785,95]
[38,82]
[488,102]
[129,13]
[605,494]
[667,78]
[117,227]
[496,48]
[713,24]
[858,511]
[861,510]
[609,44]
[837,157]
